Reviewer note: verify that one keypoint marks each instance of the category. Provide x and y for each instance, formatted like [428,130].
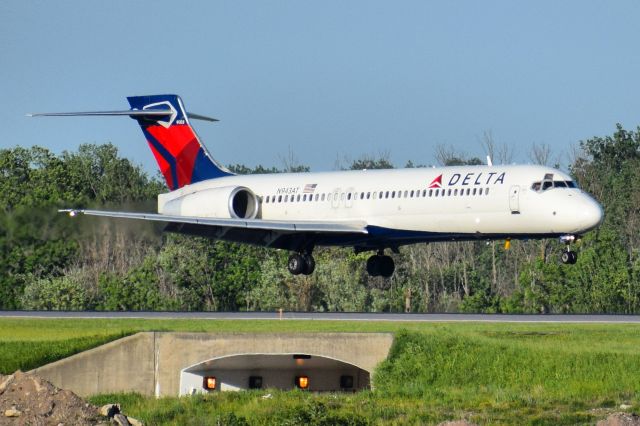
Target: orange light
[209,383]
[302,382]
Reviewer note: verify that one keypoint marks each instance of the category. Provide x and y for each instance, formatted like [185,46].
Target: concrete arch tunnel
[171,364]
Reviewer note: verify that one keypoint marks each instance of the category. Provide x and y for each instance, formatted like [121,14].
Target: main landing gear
[301,263]
[380,265]
[568,257]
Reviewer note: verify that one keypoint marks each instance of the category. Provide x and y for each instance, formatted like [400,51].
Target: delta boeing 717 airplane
[369,210]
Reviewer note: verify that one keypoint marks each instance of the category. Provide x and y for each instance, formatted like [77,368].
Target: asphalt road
[330,316]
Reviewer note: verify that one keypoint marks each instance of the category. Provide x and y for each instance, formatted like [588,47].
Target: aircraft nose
[591,214]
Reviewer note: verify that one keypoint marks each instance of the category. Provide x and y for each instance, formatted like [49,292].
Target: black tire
[373,265]
[309,264]
[569,257]
[295,264]
[387,266]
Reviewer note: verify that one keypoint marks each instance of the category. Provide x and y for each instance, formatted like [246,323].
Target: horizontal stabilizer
[131,113]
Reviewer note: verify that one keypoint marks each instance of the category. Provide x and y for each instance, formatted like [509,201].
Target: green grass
[489,373]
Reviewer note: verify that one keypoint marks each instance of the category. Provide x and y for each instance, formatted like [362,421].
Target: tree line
[50,262]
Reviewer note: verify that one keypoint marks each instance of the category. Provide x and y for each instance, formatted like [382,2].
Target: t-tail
[181,156]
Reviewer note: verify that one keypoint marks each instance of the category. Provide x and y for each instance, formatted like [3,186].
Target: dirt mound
[620,419]
[26,399]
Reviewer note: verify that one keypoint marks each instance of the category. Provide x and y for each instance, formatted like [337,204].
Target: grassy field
[485,372]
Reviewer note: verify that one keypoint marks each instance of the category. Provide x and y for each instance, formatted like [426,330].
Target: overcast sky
[323,79]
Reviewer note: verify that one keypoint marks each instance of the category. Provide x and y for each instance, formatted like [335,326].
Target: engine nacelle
[228,202]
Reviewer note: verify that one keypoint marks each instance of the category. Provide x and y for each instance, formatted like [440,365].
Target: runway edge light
[302,382]
[209,383]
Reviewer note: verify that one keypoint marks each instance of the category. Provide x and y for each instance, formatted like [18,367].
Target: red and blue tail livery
[181,157]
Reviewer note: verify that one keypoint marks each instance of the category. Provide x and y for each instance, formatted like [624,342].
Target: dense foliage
[50,262]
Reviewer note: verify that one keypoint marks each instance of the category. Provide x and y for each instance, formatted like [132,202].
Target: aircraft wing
[289,235]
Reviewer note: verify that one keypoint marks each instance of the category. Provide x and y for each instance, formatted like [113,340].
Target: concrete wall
[151,363]
[124,365]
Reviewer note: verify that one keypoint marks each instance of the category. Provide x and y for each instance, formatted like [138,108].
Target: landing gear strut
[568,257]
[380,265]
[301,263]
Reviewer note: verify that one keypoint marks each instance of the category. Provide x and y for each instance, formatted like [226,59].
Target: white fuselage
[476,201]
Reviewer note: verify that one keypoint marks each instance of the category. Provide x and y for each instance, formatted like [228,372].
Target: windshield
[548,183]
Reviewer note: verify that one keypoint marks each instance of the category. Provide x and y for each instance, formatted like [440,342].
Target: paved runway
[330,316]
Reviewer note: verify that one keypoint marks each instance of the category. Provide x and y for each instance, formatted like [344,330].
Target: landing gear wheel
[569,257]
[387,267]
[373,266]
[309,264]
[296,264]
[380,265]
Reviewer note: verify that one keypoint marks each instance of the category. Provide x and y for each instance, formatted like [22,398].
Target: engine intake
[243,203]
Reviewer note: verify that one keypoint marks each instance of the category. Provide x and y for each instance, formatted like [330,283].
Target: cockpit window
[548,183]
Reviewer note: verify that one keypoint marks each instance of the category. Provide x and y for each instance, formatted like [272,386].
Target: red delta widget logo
[491,178]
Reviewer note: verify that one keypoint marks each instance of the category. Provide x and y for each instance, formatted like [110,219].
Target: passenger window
[386,195]
[430,192]
[449,191]
[349,196]
[412,192]
[304,197]
[436,192]
[455,191]
[468,191]
[406,193]
[393,194]
[322,197]
[424,193]
[442,193]
[486,191]
[368,195]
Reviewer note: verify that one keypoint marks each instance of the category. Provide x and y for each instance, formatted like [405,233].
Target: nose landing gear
[568,257]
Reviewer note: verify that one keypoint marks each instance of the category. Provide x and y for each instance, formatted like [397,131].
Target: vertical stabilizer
[181,157]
